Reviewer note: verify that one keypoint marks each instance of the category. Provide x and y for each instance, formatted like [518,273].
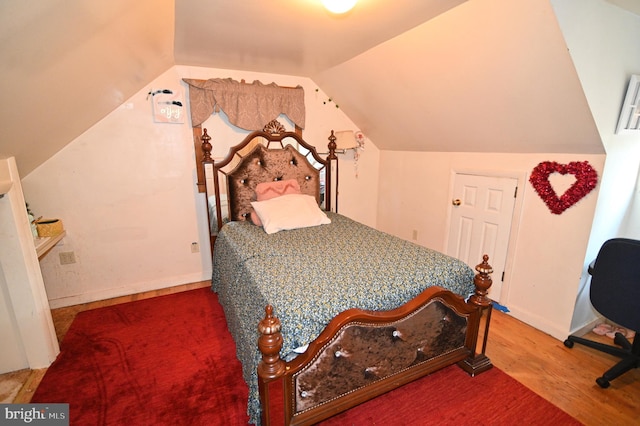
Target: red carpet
[171,361]
[451,397]
[167,360]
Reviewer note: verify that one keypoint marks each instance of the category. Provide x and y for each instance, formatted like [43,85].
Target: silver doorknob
[456,202]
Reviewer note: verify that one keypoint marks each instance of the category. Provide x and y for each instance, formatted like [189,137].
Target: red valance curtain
[248,106]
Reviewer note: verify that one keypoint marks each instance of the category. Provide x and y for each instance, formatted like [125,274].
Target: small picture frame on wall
[168,105]
[629,120]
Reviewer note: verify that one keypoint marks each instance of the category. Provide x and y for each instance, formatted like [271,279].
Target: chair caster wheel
[568,343]
[602,382]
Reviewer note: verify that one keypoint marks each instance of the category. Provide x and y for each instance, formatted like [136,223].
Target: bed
[327,313]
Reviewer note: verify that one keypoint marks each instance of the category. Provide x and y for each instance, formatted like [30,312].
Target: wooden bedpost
[271,366]
[207,167]
[483,282]
[206,147]
[476,363]
[270,344]
[331,187]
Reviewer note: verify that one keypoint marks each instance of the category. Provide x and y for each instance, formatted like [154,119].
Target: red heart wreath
[586,180]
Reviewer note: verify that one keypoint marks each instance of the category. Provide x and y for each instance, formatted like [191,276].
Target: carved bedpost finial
[332,147]
[270,344]
[206,146]
[482,281]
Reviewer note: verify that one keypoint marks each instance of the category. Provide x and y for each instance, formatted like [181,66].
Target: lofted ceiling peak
[291,37]
[458,75]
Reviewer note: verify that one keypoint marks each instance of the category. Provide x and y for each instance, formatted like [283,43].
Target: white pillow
[289,212]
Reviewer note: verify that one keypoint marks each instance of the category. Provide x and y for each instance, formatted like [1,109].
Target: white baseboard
[539,323]
[553,329]
[128,290]
[581,331]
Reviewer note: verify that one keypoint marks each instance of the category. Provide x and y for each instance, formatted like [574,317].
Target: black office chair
[615,293]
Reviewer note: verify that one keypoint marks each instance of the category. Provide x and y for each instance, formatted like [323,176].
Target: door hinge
[502,279]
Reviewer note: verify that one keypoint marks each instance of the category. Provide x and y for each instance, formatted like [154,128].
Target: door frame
[521,177]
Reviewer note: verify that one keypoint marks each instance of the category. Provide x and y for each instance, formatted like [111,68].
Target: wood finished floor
[564,376]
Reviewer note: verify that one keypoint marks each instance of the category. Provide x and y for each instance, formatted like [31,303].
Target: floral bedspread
[312,274]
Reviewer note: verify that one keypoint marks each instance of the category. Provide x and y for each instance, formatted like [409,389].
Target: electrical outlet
[195,248]
[67,257]
[415,235]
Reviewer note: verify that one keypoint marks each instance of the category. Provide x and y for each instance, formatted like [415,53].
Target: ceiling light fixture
[339,6]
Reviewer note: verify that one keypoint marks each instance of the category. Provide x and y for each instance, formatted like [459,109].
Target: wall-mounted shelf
[44,244]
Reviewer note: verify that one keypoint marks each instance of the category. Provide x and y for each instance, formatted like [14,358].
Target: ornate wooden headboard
[269,155]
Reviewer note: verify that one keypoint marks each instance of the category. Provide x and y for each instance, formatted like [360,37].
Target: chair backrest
[615,282]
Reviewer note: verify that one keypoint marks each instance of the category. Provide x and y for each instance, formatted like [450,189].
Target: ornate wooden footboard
[362,354]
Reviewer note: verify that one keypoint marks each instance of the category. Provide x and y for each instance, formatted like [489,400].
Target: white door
[481,222]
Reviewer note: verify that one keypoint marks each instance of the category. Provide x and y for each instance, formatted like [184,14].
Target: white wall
[545,259]
[631,223]
[603,43]
[126,193]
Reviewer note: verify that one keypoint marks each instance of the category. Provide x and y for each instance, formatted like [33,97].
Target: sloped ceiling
[65,64]
[424,75]
[487,76]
